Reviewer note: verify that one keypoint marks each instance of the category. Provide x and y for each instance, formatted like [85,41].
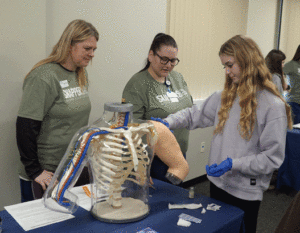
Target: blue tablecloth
[227,220]
[289,172]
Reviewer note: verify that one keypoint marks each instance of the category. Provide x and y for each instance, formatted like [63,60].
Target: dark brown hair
[159,40]
[274,62]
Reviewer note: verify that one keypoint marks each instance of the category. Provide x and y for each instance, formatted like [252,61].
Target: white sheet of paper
[33,214]
[83,200]
[296,126]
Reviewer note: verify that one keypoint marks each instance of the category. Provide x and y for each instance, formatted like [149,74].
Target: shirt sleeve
[278,83]
[38,97]
[197,116]
[289,68]
[27,133]
[134,93]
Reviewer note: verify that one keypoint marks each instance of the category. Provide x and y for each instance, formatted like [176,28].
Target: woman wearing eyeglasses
[157,91]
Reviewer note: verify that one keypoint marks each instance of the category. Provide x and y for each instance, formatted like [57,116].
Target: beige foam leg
[168,150]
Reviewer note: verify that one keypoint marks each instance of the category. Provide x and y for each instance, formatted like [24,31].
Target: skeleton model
[119,156]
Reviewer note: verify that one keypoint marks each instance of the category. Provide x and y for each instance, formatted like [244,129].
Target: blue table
[289,171]
[227,220]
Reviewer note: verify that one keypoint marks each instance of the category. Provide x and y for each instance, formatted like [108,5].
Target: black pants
[249,207]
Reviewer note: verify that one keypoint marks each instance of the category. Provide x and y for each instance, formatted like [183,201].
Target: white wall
[22,44]
[28,31]
[126,30]
[290,34]
[261,23]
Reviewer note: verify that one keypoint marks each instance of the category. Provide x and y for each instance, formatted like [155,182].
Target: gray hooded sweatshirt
[254,160]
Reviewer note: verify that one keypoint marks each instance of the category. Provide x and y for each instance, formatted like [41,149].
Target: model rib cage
[117,155]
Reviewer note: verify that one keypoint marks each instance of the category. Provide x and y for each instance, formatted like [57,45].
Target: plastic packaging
[192,192]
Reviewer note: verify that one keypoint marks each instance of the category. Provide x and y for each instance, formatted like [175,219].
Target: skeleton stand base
[132,210]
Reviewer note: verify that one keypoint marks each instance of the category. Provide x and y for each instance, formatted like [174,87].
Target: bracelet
[173,179]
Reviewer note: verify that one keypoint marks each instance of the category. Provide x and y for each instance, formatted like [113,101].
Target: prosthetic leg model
[119,154]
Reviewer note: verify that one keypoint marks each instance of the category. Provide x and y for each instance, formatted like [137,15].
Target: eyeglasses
[165,60]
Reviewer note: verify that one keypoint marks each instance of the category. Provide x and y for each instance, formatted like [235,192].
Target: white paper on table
[191,206]
[296,126]
[183,223]
[33,214]
[84,200]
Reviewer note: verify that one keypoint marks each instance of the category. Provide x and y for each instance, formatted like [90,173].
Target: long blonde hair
[255,75]
[77,31]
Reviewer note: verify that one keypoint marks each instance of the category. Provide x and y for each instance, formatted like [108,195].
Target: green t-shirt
[151,98]
[51,94]
[292,69]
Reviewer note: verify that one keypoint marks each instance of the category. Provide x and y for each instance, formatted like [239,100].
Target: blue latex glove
[213,166]
[219,170]
[161,121]
[210,167]
[215,174]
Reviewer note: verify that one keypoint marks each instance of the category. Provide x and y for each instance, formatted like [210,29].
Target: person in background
[55,105]
[250,120]
[292,69]
[157,91]
[275,62]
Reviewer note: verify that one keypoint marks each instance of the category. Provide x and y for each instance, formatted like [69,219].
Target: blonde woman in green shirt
[55,105]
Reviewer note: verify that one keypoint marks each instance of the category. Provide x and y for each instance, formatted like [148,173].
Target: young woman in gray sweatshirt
[250,120]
